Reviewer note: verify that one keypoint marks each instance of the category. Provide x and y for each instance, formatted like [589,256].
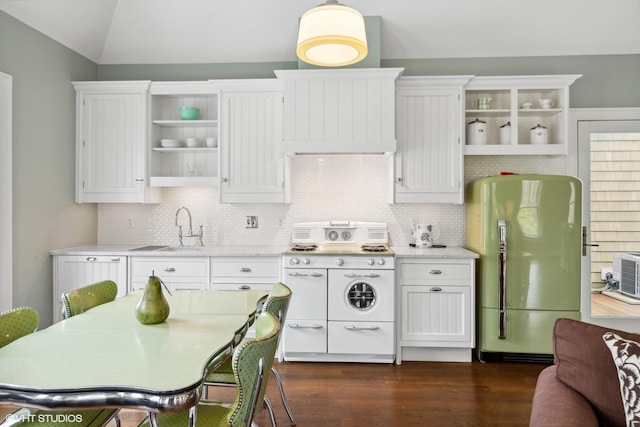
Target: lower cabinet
[237,273]
[178,273]
[437,309]
[74,271]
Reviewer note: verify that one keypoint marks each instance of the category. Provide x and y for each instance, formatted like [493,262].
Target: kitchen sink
[179,248]
[148,248]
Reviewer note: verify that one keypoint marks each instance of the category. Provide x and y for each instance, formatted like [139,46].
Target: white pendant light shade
[332,35]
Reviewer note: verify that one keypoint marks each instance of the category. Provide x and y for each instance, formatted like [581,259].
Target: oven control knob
[294,261]
[381,261]
[306,261]
[339,261]
[371,261]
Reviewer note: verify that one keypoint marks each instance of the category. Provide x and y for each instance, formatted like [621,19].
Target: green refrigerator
[527,230]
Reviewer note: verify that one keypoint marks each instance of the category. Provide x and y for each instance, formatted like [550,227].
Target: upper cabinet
[253,168]
[518,115]
[429,126]
[339,111]
[111,140]
[184,152]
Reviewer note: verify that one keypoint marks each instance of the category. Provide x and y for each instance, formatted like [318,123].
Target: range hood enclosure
[339,111]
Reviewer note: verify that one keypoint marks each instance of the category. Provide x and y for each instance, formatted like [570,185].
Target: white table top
[107,358]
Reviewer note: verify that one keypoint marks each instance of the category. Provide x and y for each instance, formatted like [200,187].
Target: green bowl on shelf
[189,113]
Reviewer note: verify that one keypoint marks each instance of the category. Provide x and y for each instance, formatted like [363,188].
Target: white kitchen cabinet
[75,271]
[111,140]
[429,127]
[252,163]
[178,273]
[184,166]
[339,110]
[437,309]
[509,96]
[245,273]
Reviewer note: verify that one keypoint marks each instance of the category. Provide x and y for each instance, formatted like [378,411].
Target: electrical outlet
[252,222]
[129,222]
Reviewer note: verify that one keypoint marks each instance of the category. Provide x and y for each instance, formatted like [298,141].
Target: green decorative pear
[153,307]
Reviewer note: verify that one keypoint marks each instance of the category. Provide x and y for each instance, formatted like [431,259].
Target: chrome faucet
[180,235]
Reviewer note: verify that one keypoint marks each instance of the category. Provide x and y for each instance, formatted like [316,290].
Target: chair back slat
[82,299]
[17,323]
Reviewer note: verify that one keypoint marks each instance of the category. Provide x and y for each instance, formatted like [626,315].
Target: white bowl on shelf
[170,143]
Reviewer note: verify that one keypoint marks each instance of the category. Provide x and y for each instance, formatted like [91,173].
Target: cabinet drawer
[186,269]
[434,271]
[361,338]
[305,336]
[245,269]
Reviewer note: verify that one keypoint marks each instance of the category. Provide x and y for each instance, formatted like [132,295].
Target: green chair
[251,359]
[15,324]
[82,299]
[277,304]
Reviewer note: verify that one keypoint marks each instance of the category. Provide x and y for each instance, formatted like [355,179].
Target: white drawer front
[242,287]
[171,269]
[361,338]
[435,271]
[242,269]
[305,336]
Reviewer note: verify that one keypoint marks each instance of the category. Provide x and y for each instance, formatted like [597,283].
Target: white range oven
[341,274]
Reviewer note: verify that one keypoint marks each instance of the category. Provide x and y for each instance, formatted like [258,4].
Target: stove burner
[373,248]
[304,248]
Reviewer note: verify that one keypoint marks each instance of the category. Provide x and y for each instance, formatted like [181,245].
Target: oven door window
[362,296]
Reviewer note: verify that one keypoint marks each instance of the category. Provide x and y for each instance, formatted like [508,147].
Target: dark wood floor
[412,394]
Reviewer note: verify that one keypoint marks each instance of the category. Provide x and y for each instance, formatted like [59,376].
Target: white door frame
[6,198]
[576,117]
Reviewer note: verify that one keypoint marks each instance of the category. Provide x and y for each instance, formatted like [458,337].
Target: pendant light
[332,35]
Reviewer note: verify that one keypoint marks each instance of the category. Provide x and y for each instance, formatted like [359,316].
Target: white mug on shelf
[546,103]
[212,142]
[192,142]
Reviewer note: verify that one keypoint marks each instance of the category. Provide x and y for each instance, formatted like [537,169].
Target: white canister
[505,133]
[539,135]
[477,132]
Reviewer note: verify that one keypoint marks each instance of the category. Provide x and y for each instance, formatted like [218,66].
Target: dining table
[105,357]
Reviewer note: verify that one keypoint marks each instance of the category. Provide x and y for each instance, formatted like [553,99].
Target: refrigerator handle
[502,290]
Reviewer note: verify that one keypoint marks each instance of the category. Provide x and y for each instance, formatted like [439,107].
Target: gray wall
[44,213]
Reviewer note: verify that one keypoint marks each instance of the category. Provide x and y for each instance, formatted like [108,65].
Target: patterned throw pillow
[626,356]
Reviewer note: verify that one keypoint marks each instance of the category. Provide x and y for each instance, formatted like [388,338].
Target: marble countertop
[240,250]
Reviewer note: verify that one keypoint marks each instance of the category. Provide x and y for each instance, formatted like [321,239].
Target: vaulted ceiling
[216,31]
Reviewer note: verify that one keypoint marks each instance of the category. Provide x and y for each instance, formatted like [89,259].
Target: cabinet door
[74,271]
[429,153]
[252,161]
[111,141]
[436,314]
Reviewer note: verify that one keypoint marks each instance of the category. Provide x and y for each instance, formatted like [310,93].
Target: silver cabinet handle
[435,272]
[115,259]
[435,289]
[245,270]
[244,287]
[92,258]
[312,326]
[169,269]
[139,179]
[296,274]
[352,275]
[361,328]
[224,179]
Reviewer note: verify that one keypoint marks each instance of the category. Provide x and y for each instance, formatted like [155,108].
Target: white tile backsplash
[324,187]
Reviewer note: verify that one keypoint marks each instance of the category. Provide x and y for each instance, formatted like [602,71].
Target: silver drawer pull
[169,269]
[435,289]
[296,274]
[317,275]
[92,258]
[115,259]
[245,270]
[312,326]
[352,275]
[244,287]
[361,328]
[435,272]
